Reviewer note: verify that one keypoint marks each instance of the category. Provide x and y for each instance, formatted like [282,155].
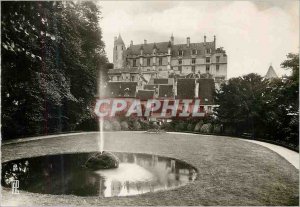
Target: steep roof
[161,47]
[145,94]
[121,89]
[206,91]
[119,40]
[166,91]
[271,73]
[186,88]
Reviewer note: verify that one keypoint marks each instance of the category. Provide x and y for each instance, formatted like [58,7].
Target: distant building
[168,70]
[271,73]
[164,59]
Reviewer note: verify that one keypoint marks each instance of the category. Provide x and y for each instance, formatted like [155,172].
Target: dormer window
[160,61]
[134,62]
[180,52]
[218,59]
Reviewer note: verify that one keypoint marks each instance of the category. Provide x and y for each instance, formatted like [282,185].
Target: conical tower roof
[119,40]
[271,73]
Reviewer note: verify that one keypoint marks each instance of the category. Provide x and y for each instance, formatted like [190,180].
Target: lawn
[231,171]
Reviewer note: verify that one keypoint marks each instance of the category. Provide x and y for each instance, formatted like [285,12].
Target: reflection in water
[65,174]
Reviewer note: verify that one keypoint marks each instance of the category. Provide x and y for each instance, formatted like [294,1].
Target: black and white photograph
[150,103]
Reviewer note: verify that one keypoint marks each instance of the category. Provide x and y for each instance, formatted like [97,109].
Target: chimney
[172,39]
[145,42]
[131,43]
[204,38]
[188,41]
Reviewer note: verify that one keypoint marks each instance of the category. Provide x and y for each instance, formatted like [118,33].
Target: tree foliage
[51,56]
[265,108]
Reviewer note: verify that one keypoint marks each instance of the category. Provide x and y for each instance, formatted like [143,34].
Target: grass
[231,171]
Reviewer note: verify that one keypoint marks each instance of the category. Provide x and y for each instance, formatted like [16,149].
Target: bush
[229,130]
[217,129]
[145,125]
[107,126]
[124,125]
[167,126]
[180,126]
[190,127]
[116,125]
[136,125]
[206,128]
[198,126]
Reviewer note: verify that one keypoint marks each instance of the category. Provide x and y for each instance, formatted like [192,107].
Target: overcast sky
[253,33]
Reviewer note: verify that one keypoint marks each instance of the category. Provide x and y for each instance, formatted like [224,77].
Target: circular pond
[65,174]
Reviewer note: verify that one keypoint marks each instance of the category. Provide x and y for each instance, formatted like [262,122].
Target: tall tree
[51,54]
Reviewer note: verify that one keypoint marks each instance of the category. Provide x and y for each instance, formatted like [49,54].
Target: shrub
[217,129]
[145,124]
[167,126]
[198,126]
[190,127]
[116,125]
[206,128]
[136,125]
[107,126]
[124,125]
[181,126]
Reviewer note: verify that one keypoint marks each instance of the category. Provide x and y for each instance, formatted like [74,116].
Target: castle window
[217,68]
[160,61]
[218,59]
[193,61]
[180,68]
[194,52]
[207,60]
[134,62]
[208,51]
[180,52]
[179,62]
[193,69]
[148,61]
[207,69]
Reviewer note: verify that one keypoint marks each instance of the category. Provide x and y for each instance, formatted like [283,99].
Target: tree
[51,56]
[239,103]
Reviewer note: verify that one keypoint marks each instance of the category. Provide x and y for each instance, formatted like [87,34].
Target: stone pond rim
[104,160]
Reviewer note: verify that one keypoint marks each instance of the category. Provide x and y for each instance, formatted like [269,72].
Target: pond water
[65,174]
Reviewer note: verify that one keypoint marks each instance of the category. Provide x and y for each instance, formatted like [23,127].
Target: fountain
[101,160]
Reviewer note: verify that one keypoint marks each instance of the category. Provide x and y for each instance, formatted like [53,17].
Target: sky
[254,34]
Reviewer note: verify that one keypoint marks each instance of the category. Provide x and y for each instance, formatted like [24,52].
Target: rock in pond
[104,160]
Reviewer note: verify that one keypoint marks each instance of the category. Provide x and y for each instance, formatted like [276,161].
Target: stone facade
[140,63]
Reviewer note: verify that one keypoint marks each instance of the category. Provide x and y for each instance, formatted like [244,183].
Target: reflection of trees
[64,174]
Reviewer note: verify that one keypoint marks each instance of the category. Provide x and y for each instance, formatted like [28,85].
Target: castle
[167,70]
[166,59]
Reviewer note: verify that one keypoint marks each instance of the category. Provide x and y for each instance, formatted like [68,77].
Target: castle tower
[119,49]
[271,73]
